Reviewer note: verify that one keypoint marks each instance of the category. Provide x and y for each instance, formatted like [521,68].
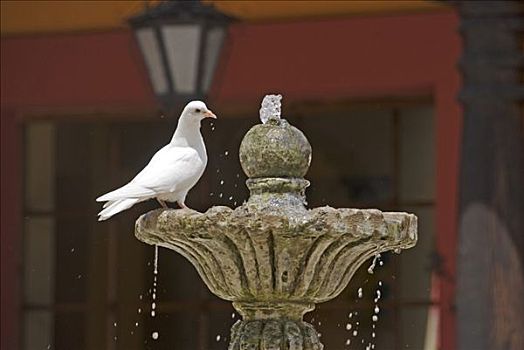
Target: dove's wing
[169,168]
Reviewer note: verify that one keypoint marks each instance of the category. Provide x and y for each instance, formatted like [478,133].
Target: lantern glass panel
[182,43]
[147,40]
[214,40]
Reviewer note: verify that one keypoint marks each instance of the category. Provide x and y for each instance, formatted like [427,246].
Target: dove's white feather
[169,163]
[172,171]
[115,207]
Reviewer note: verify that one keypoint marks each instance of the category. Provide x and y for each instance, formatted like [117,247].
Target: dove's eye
[198,110]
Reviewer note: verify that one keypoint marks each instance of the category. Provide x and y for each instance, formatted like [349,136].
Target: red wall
[358,57]
[100,69]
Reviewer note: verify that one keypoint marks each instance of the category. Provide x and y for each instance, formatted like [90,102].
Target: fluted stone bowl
[305,259]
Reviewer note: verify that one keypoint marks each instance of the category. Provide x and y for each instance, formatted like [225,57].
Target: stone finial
[275,149]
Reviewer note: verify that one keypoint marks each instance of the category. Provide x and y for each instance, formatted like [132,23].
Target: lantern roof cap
[179,11]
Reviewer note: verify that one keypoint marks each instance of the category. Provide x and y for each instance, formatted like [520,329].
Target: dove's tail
[114,207]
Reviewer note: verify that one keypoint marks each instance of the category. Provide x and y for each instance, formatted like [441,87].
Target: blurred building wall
[357,58]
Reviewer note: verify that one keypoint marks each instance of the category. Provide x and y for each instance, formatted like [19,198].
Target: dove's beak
[210,114]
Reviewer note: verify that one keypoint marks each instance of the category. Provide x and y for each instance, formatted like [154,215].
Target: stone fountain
[272,257]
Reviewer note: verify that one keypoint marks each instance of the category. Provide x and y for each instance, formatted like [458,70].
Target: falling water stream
[353,323]
[154,335]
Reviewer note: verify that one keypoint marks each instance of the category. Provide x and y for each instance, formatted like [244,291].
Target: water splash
[270,108]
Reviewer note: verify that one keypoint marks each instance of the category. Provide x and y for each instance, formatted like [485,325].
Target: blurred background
[409,106]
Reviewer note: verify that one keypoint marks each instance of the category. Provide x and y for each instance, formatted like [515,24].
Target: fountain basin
[246,257]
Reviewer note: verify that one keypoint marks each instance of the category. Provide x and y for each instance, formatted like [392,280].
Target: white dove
[172,171]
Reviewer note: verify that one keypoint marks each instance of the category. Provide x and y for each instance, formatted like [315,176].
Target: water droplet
[319,335]
[359,292]
[154,335]
[233,315]
[348,341]
[114,324]
[136,324]
[226,153]
[72,250]
[230,198]
[373,335]
[374,318]
[218,338]
[377,309]
[355,333]
[350,315]
[348,326]
[380,283]
[153,313]
[221,182]
[220,195]
[139,310]
[371,268]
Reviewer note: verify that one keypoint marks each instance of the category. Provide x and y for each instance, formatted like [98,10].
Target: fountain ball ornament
[272,257]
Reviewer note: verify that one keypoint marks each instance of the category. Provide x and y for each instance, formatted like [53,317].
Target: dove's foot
[182,205]
[162,203]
